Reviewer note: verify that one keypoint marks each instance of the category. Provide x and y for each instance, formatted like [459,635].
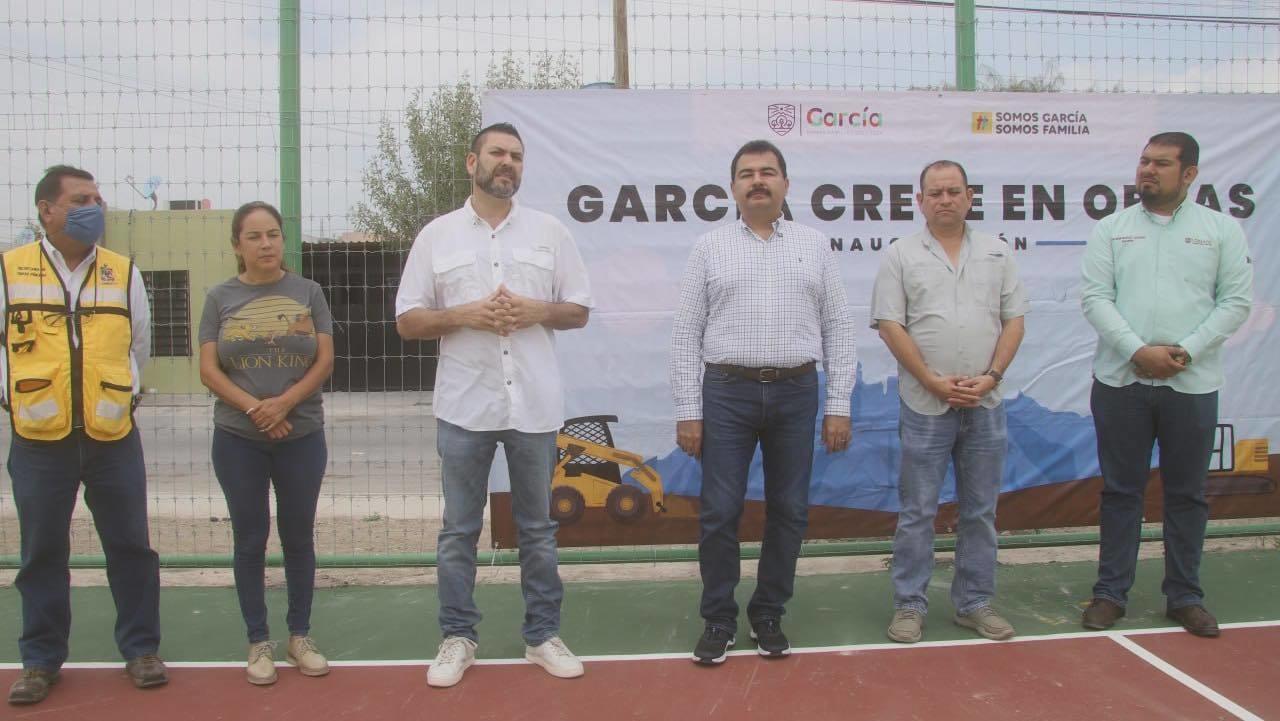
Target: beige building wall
[197,241]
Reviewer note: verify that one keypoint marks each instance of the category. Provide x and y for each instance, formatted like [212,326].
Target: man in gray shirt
[948,303]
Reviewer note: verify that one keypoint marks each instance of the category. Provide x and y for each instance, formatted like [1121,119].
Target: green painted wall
[197,241]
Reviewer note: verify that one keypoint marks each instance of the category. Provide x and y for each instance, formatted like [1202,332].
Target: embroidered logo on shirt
[106,275]
[1197,241]
[1128,238]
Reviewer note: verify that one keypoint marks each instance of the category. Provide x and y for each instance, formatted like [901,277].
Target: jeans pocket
[806,380]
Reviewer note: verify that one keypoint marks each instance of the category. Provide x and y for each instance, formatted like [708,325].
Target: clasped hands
[1160,361]
[270,416]
[503,312]
[962,391]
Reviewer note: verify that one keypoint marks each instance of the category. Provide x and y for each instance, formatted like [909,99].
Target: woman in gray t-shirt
[266,348]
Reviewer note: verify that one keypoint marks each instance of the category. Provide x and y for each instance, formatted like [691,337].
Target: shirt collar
[1171,217]
[777,229]
[932,243]
[476,220]
[56,254]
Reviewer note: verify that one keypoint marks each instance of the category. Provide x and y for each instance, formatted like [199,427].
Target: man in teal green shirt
[1165,282]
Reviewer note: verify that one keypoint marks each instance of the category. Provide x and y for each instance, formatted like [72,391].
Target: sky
[187,91]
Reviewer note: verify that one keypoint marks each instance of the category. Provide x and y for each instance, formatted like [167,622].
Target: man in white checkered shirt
[760,302]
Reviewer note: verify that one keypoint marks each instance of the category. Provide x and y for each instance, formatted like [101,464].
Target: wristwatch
[994,374]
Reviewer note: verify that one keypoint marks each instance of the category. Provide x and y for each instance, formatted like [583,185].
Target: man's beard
[1153,195]
[488,184]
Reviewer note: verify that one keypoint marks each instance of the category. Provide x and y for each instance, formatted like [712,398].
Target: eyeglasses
[58,319]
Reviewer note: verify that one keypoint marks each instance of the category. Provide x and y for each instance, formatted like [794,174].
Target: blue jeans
[465,458]
[247,470]
[1129,421]
[975,440]
[738,414]
[46,478]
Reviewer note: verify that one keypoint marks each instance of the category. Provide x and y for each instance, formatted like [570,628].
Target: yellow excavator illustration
[589,475]
[1238,467]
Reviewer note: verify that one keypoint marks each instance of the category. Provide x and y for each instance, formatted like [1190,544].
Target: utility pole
[621,58]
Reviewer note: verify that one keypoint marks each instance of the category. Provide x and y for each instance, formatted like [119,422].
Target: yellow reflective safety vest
[53,385]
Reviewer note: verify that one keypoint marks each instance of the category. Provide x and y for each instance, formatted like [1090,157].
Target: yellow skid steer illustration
[589,475]
[1238,467]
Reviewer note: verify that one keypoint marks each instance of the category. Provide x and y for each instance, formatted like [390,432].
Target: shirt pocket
[1199,266]
[985,281]
[533,273]
[456,279]
[930,290]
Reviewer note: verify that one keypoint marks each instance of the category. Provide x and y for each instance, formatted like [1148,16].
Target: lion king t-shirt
[266,336]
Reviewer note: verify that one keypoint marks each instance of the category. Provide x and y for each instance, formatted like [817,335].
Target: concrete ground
[381,491]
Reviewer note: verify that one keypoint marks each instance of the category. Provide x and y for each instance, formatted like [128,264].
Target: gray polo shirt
[953,314]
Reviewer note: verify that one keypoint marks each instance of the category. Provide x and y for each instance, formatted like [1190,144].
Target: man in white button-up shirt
[761,301]
[493,280]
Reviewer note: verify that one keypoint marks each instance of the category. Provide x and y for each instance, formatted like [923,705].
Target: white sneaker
[555,657]
[261,670]
[455,655]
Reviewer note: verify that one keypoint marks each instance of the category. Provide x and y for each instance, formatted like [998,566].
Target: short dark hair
[753,147]
[237,223]
[50,186]
[940,164]
[506,128]
[1188,148]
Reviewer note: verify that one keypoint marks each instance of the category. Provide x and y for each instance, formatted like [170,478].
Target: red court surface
[1243,664]
[1076,676]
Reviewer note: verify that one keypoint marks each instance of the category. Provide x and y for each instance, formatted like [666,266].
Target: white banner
[637,176]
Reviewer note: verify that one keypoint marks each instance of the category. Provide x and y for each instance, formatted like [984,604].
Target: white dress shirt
[484,381]
[139,311]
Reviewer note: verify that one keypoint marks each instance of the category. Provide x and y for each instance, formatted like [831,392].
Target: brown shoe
[1195,619]
[147,671]
[32,686]
[1102,614]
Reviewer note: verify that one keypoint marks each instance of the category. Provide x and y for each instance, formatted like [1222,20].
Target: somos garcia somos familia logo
[783,119]
[1029,123]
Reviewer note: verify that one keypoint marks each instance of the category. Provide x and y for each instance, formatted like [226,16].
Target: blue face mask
[86,224]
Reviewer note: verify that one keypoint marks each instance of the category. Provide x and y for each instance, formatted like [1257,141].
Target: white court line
[1172,671]
[685,655]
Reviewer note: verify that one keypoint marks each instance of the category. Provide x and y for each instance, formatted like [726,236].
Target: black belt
[763,375]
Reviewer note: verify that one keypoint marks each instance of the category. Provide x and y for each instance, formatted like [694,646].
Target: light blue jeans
[465,460]
[975,439]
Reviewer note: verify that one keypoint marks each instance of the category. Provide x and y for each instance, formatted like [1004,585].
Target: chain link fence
[176,108]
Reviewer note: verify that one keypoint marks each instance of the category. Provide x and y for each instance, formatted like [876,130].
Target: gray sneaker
[907,626]
[987,623]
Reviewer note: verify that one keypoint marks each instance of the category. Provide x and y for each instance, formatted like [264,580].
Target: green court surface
[639,617]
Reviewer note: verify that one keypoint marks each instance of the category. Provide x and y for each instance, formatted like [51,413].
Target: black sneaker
[769,638]
[714,645]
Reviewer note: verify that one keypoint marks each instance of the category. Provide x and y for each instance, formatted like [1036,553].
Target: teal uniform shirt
[1187,282]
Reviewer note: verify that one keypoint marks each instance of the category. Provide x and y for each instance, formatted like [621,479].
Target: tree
[1049,81]
[409,185]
